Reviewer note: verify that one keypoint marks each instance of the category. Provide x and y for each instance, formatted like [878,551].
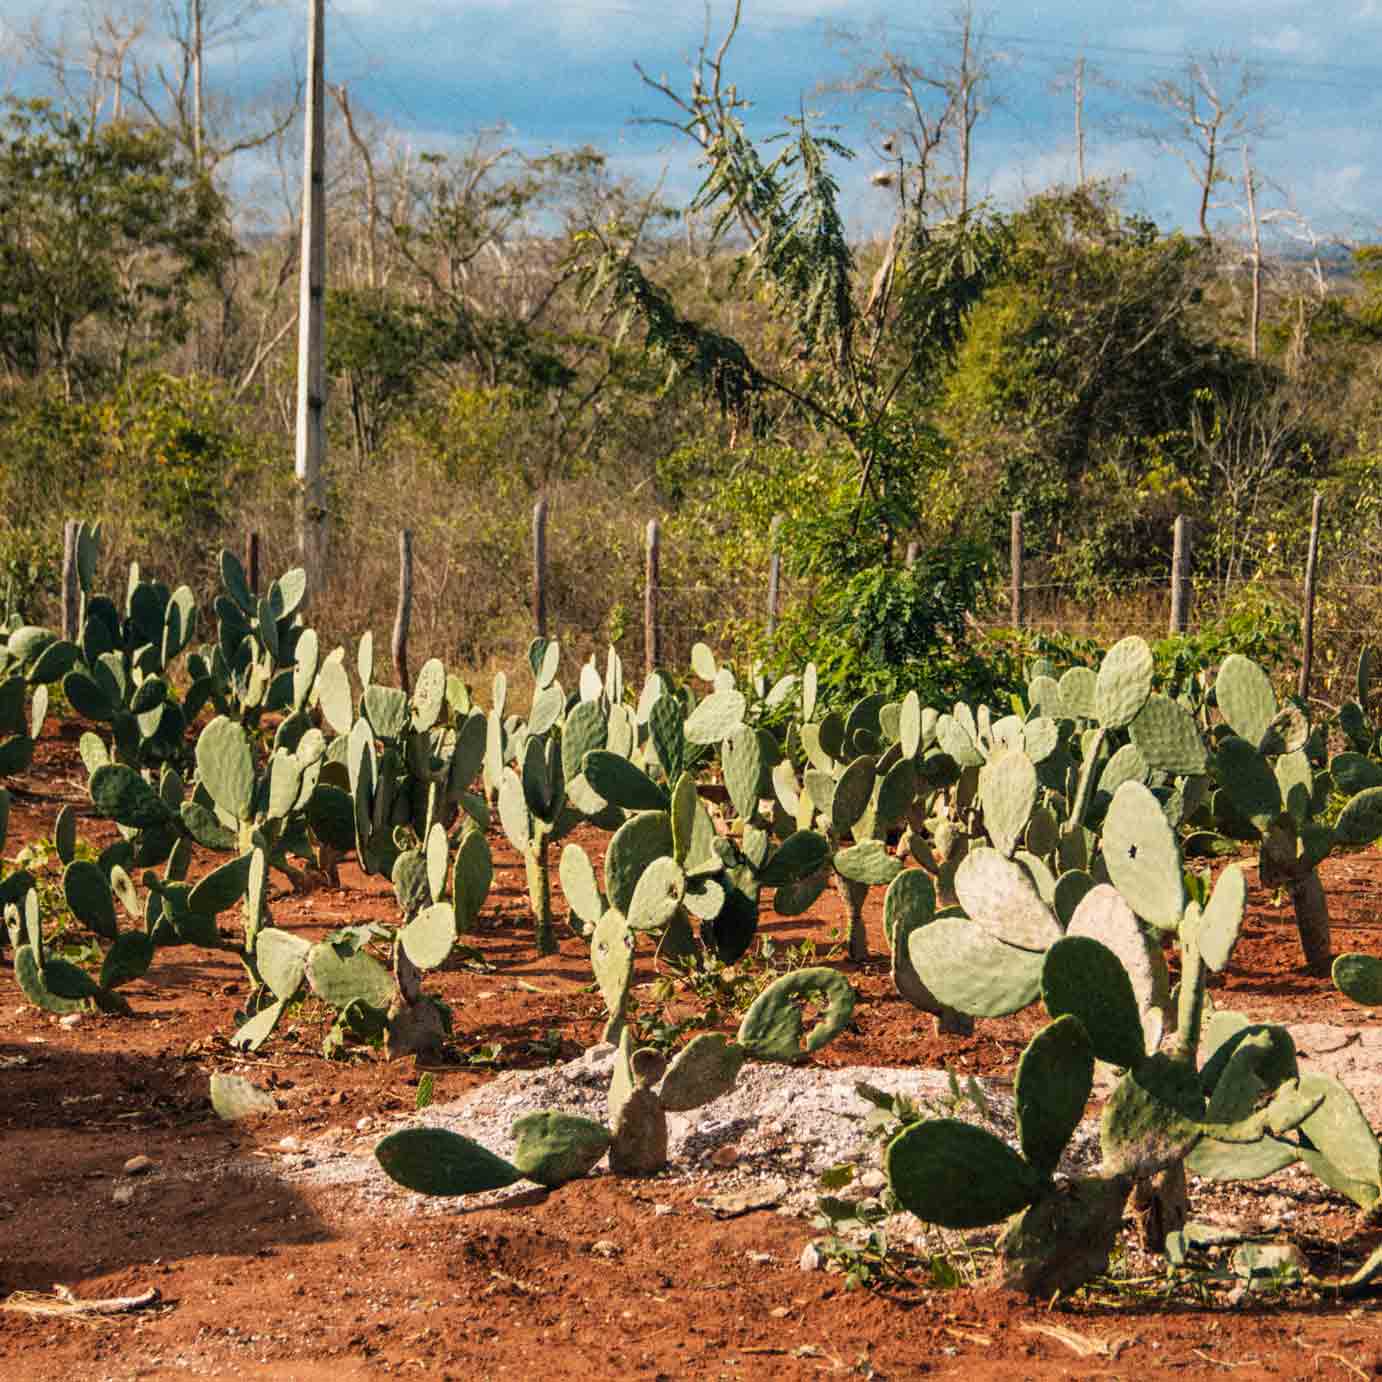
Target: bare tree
[1206,115]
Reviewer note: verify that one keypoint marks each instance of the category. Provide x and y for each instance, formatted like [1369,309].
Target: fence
[654,620]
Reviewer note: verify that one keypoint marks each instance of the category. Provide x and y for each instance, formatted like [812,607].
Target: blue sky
[560,72]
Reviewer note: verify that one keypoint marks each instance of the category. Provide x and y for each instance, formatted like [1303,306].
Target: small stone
[139,1165]
[362,1124]
[289,1144]
[660,1209]
[759,1259]
[605,1248]
[71,1021]
[810,1259]
[872,1181]
[6,1209]
[780,1312]
[338,1098]
[123,1194]
[725,1156]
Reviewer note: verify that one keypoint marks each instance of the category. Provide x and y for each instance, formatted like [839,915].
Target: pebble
[810,1259]
[605,1248]
[138,1165]
[660,1209]
[760,1259]
[725,1156]
[780,1312]
[71,1021]
[123,1194]
[361,1124]
[289,1144]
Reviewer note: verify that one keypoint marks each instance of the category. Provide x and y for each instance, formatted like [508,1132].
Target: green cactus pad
[1054,1078]
[999,897]
[793,899]
[971,971]
[799,856]
[1071,888]
[910,902]
[554,1148]
[1216,931]
[1077,687]
[1123,683]
[611,959]
[638,1146]
[1104,916]
[281,959]
[234,1097]
[640,840]
[433,1161]
[513,811]
[1152,1119]
[387,710]
[772,1028]
[225,766]
[1359,978]
[334,695]
[33,984]
[1008,793]
[703,1070]
[410,882]
[471,876]
[251,1035]
[957,742]
[853,790]
[340,974]
[579,885]
[1167,737]
[223,887]
[621,784]
[120,793]
[128,959]
[1342,1149]
[87,891]
[1245,696]
[1353,772]
[428,938]
[1142,856]
[1360,822]
[958,1176]
[657,895]
[717,717]
[1084,977]
[868,863]
[1296,781]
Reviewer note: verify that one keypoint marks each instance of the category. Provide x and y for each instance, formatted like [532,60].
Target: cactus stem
[854,895]
[1190,1010]
[540,891]
[1087,776]
[1312,920]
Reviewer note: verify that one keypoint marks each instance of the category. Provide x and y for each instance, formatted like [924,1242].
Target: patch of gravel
[781,1127]
[785,1124]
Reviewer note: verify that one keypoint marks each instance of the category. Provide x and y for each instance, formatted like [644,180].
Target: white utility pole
[311,429]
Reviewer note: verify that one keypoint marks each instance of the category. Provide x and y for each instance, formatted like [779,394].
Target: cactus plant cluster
[1233,1105]
[555,1147]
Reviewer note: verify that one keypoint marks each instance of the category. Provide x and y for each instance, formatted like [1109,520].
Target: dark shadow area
[69,1122]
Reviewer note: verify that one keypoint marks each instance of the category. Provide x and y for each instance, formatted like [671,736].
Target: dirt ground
[262,1276]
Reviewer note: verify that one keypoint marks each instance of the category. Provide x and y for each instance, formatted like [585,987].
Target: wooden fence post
[1180,577]
[405,608]
[1017,590]
[774,573]
[70,585]
[540,567]
[651,649]
[913,550]
[1312,557]
[252,562]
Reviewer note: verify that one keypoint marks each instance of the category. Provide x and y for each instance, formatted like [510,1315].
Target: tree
[862,357]
[1206,116]
[101,226]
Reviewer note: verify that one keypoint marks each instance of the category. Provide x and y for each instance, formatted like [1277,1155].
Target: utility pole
[311,430]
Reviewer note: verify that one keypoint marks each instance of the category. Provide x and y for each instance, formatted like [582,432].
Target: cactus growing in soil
[1231,1106]
[555,1147]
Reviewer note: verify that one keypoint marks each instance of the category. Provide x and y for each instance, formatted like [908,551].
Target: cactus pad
[433,1161]
[1000,898]
[553,1148]
[772,1029]
[1054,1078]
[1083,977]
[704,1069]
[1142,856]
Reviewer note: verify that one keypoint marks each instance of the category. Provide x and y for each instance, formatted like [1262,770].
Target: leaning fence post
[70,584]
[651,650]
[540,567]
[1016,593]
[405,608]
[1311,560]
[1180,576]
[774,572]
